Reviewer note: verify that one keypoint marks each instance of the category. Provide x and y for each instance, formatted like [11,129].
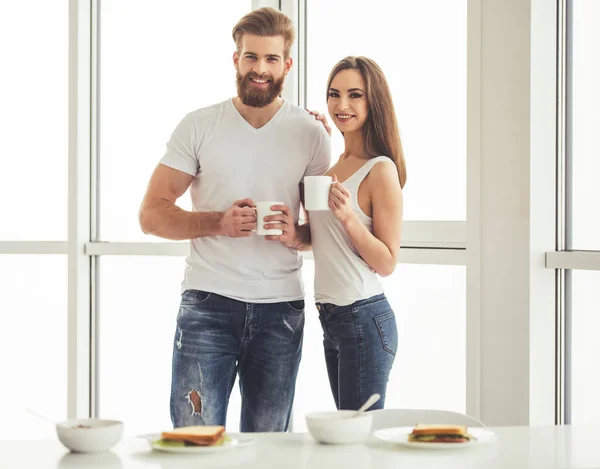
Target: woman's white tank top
[341,275]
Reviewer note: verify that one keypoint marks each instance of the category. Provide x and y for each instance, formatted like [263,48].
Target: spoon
[40,416]
[370,401]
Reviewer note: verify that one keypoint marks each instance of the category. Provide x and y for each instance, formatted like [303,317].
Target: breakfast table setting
[336,439]
[514,447]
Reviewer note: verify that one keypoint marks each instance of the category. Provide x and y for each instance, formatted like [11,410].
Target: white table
[517,448]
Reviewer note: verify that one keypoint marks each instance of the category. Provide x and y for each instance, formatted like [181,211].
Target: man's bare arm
[302,238]
[161,217]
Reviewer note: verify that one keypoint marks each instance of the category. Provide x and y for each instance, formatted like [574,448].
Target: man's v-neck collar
[267,124]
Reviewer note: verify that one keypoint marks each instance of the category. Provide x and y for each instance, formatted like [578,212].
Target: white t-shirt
[231,160]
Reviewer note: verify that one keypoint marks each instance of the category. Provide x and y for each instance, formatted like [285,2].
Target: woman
[359,237]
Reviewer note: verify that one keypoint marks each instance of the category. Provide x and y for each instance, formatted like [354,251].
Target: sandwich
[439,434]
[194,436]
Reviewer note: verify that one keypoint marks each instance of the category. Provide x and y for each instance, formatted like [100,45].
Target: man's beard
[256,97]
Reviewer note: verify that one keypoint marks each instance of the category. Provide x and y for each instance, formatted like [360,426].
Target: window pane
[33,115]
[424,58]
[585,347]
[139,300]
[430,306]
[33,344]
[585,124]
[178,60]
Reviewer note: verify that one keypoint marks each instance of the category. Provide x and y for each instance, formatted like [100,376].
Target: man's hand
[322,119]
[284,222]
[239,220]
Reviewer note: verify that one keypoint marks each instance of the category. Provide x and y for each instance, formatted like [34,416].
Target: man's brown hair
[265,22]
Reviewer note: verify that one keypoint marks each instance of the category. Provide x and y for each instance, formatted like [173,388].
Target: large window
[179,59]
[583,222]
[34,46]
[585,112]
[33,116]
[424,57]
[33,344]
[138,307]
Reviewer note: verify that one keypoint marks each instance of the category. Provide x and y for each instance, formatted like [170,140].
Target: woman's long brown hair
[380,130]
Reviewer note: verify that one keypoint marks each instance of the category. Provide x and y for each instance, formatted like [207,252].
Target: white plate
[399,435]
[233,441]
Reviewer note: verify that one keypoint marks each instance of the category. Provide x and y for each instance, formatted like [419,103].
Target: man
[242,307]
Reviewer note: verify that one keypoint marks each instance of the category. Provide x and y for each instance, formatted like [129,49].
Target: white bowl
[89,435]
[339,427]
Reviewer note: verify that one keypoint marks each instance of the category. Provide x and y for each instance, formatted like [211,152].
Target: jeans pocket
[386,325]
[296,306]
[194,297]
[191,302]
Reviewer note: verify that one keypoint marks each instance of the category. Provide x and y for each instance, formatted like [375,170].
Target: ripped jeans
[218,337]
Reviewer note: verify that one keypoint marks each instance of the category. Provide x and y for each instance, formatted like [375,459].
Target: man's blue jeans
[360,342]
[218,337]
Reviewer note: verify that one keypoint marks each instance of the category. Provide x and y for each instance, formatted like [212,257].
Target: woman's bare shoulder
[384,173]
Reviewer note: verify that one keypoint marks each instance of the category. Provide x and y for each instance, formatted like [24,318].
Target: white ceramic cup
[316,192]
[263,209]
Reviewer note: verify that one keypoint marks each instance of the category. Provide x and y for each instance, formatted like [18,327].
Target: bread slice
[421,429]
[198,435]
[439,434]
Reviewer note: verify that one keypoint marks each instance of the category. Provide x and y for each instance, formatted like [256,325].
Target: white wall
[511,211]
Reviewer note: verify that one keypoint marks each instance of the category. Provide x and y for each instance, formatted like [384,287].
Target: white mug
[263,209]
[316,192]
